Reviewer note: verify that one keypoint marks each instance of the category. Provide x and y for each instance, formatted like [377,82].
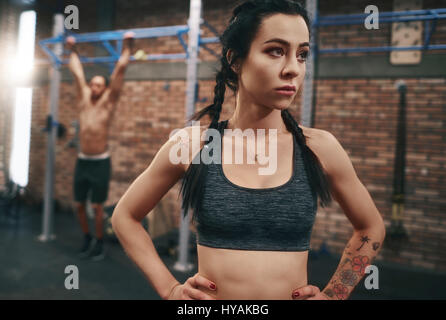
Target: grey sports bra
[275,219]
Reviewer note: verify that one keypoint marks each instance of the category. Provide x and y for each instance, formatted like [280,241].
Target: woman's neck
[249,115]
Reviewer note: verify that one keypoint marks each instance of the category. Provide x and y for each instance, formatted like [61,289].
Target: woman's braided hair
[238,36]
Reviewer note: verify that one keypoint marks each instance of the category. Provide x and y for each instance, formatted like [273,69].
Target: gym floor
[34,270]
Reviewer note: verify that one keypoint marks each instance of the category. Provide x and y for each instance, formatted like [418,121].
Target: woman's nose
[291,69]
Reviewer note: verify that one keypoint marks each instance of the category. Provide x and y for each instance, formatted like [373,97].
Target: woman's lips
[286,92]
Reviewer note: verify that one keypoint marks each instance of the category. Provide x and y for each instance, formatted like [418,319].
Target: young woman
[254,230]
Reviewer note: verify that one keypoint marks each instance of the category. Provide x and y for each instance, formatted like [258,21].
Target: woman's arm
[358,206]
[141,197]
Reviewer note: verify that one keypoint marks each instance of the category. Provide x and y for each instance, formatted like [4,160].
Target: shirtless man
[96,105]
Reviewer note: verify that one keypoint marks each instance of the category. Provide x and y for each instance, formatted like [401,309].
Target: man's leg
[87,242]
[99,219]
[82,216]
[81,187]
[98,197]
[98,253]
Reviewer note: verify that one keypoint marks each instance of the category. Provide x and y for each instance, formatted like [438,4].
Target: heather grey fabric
[274,219]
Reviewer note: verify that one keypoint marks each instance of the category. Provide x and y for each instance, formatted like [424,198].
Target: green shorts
[94,175]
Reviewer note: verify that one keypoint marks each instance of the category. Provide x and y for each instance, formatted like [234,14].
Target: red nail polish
[295,294]
[212,286]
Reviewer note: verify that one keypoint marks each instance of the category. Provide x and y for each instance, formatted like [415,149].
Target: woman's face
[276,59]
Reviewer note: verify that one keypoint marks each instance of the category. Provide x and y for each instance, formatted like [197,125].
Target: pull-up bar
[105,37]
[387,17]
[392,16]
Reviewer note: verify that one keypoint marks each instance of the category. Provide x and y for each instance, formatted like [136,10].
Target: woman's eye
[276,51]
[304,55]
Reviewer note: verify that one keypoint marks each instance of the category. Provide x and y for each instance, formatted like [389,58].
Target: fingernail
[295,294]
[212,286]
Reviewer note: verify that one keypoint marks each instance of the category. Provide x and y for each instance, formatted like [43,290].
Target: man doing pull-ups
[96,105]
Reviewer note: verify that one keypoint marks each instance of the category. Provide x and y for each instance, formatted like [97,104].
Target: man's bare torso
[94,121]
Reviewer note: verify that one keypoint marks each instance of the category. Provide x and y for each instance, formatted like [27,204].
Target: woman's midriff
[252,275]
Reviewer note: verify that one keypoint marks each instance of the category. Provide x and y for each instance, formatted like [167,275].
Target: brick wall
[361,113]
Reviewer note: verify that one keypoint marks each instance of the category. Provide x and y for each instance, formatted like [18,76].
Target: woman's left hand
[309,292]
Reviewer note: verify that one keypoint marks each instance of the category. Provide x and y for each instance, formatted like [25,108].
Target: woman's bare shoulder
[326,147]
[313,134]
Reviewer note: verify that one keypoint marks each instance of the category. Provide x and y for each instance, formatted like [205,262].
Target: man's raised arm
[75,66]
[117,77]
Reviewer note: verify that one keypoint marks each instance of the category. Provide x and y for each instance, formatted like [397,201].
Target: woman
[253,230]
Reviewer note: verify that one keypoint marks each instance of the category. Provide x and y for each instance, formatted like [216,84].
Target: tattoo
[347,260]
[348,277]
[329,293]
[359,264]
[350,270]
[341,291]
[364,239]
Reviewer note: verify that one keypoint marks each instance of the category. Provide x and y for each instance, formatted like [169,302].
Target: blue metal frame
[387,17]
[103,39]
[391,16]
[204,41]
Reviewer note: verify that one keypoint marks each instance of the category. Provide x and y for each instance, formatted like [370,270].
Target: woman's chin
[281,107]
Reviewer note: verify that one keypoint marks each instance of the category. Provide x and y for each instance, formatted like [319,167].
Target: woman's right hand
[190,290]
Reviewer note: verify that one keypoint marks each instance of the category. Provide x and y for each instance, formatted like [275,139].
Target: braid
[219,98]
[215,108]
[316,175]
[193,181]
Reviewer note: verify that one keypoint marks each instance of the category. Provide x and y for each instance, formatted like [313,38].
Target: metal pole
[191,80]
[47,220]
[307,101]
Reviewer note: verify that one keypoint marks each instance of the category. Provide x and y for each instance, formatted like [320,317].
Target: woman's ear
[229,56]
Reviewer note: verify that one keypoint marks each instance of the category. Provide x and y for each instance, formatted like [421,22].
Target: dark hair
[238,36]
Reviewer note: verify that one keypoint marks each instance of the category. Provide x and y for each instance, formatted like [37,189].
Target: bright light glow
[24,60]
[21,136]
[19,163]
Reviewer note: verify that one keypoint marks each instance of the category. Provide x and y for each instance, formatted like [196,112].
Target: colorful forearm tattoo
[352,267]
